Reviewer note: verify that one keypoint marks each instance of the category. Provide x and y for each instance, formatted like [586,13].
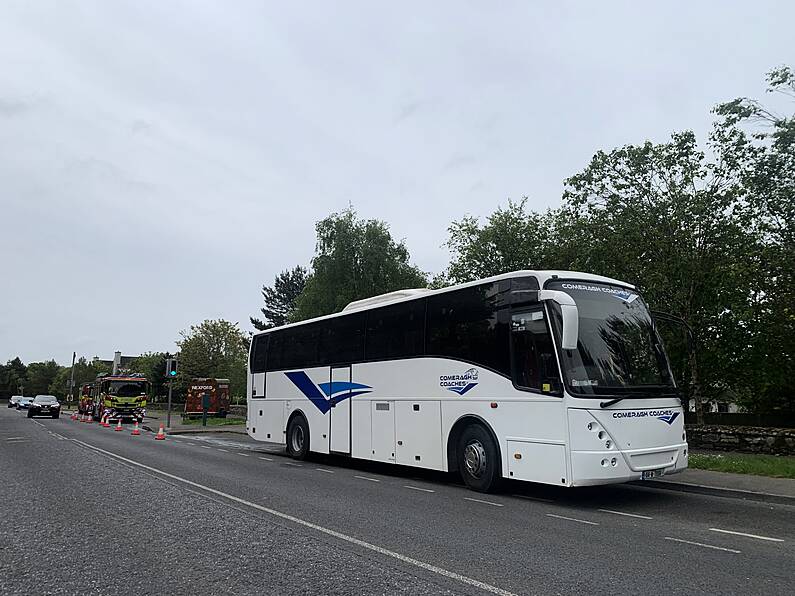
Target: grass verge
[775,466]
[214,421]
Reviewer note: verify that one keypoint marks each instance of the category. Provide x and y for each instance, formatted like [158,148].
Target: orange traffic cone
[135,431]
[73,416]
[118,426]
[105,421]
[90,417]
[161,434]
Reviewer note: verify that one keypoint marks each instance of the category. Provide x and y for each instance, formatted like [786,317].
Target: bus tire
[298,437]
[478,459]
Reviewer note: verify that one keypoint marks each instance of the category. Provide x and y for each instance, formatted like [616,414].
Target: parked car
[12,403]
[23,403]
[44,405]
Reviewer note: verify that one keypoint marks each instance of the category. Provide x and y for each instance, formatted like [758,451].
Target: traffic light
[171,368]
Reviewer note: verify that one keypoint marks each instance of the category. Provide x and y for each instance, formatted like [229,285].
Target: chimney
[116,362]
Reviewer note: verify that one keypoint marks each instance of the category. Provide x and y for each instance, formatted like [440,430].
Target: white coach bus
[546,376]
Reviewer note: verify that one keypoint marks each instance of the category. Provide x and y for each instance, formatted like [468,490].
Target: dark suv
[44,405]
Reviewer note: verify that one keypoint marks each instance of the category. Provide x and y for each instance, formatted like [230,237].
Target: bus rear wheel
[478,459]
[298,438]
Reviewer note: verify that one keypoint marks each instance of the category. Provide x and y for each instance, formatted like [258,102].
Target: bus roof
[413,294]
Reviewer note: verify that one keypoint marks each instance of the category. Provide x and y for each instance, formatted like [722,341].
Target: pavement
[223,514]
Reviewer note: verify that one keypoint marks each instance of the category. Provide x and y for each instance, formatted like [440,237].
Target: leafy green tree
[511,239]
[280,299]
[354,259]
[40,377]
[85,372]
[12,375]
[216,349]
[153,366]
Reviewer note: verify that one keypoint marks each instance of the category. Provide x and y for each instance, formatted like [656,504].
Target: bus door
[340,411]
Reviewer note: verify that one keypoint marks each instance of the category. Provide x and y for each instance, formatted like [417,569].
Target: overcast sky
[160,161]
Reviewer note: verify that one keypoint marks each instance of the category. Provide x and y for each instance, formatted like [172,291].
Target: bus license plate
[649,474]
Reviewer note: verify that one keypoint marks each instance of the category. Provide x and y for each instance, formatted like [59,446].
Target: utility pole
[72,379]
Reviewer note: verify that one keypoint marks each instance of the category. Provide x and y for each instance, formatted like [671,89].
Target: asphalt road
[91,511]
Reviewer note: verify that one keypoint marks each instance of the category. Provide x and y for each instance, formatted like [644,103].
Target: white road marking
[728,550]
[747,535]
[425,490]
[205,447]
[534,498]
[266,458]
[244,455]
[626,514]
[574,519]
[307,524]
[16,438]
[484,502]
[289,463]
[366,478]
[325,470]
[224,450]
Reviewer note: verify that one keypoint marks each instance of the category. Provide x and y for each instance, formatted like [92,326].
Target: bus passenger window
[534,364]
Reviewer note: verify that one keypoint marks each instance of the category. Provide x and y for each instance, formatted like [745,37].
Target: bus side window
[534,364]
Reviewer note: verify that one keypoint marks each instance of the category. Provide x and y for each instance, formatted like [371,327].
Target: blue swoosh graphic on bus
[462,390]
[318,395]
[670,418]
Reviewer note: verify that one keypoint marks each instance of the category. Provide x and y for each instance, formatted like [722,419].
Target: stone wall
[238,411]
[745,439]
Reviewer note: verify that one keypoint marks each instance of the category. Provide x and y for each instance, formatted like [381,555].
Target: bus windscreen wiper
[605,404]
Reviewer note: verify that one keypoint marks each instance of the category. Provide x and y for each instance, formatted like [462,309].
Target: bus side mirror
[569,313]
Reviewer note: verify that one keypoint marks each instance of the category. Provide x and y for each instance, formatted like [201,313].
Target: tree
[40,376]
[12,375]
[280,299]
[511,239]
[153,366]
[85,372]
[354,259]
[215,349]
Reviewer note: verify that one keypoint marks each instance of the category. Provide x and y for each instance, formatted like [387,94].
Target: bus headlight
[607,444]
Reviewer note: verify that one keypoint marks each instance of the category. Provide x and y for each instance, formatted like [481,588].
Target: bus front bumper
[615,466]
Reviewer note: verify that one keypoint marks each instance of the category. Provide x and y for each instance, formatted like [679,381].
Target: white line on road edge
[728,550]
[534,498]
[425,490]
[205,447]
[296,520]
[582,521]
[244,455]
[366,478]
[266,458]
[224,450]
[289,463]
[325,470]
[484,502]
[627,514]
[747,535]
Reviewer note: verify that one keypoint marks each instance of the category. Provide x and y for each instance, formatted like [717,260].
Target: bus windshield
[127,388]
[618,350]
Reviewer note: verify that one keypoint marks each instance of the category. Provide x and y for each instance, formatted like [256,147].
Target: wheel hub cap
[475,459]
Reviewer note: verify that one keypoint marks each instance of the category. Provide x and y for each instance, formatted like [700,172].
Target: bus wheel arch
[483,450]
[297,435]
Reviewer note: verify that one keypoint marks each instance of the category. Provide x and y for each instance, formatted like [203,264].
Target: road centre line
[307,524]
[266,458]
[289,463]
[366,478]
[728,550]
[484,502]
[205,447]
[243,454]
[325,470]
[224,450]
[626,514]
[747,535]
[425,490]
[574,519]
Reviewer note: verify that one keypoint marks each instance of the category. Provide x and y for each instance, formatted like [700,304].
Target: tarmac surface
[91,510]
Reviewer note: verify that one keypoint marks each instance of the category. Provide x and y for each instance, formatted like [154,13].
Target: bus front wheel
[478,459]
[298,438]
